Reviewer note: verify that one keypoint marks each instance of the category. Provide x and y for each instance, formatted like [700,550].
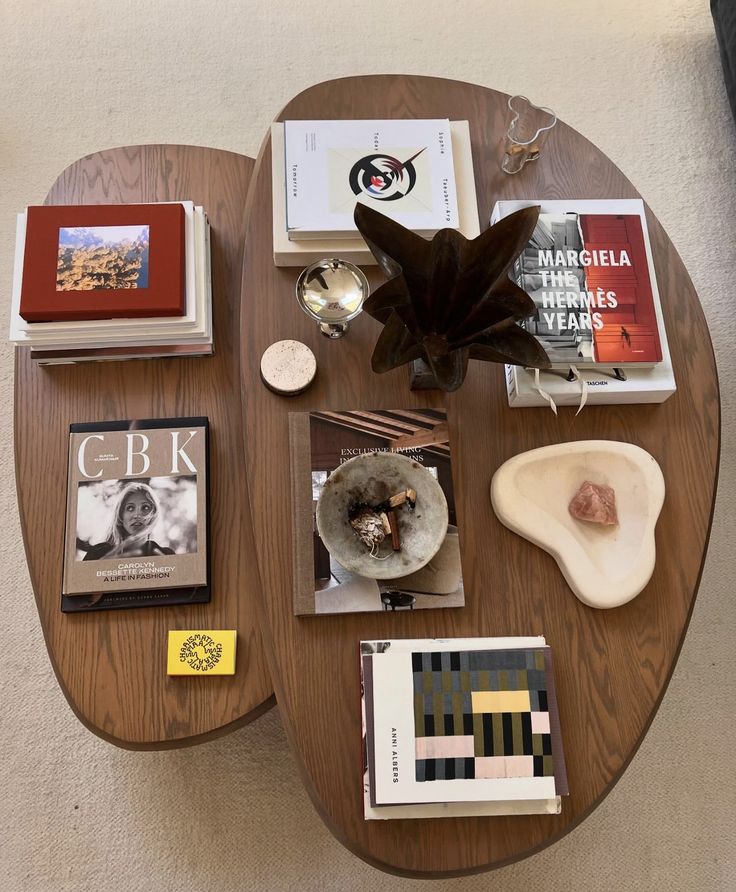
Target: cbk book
[137,509]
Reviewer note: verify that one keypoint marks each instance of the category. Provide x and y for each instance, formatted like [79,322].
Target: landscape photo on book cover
[589,278]
[136,522]
[102,258]
[323,585]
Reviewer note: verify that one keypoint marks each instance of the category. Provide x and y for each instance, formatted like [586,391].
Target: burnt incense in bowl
[373,523]
[365,507]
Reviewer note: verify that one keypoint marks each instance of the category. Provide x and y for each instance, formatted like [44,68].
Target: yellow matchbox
[202,652]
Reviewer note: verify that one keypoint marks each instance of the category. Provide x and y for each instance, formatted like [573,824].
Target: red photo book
[103,262]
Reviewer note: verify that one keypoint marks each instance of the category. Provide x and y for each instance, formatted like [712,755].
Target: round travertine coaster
[288,367]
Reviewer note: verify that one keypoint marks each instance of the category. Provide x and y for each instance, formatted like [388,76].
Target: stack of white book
[418,172]
[142,335]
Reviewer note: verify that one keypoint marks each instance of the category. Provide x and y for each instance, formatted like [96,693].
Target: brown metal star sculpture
[450,299]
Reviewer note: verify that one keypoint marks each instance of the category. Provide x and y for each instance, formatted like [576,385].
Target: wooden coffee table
[612,667]
[111,665]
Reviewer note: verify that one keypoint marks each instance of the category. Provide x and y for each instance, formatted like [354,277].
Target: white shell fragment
[288,367]
[604,565]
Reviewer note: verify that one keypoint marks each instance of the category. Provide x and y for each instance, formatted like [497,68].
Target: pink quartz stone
[594,502]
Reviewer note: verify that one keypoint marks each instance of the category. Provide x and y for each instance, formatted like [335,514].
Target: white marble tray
[604,566]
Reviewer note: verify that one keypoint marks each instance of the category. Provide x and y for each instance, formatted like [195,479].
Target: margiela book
[291,251]
[457,727]
[403,168]
[589,270]
[137,514]
[319,443]
[103,262]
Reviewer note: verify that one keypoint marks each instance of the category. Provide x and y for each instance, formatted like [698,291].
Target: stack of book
[96,282]
[418,172]
[457,727]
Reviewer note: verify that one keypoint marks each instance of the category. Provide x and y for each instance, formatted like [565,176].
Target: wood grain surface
[612,667]
[112,665]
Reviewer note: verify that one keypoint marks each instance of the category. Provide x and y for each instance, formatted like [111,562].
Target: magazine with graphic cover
[589,270]
[320,442]
[402,168]
[465,726]
[137,514]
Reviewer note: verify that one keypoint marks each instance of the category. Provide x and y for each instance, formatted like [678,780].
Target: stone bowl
[372,478]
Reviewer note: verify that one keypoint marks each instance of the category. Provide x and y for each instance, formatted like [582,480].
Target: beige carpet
[642,80]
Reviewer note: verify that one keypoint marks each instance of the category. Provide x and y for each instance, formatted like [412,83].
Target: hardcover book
[403,168]
[137,514]
[292,251]
[87,339]
[103,262]
[588,268]
[320,442]
[460,727]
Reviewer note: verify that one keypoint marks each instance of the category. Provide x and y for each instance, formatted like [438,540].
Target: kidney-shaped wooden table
[611,667]
[111,665]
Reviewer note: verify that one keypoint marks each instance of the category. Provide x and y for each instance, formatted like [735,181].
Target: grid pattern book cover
[464,720]
[481,714]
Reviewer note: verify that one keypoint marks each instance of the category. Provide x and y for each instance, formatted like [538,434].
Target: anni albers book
[460,726]
[137,514]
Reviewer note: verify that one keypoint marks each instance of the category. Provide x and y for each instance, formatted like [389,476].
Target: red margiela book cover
[103,262]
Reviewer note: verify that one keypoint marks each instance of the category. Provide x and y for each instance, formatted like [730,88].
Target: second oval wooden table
[611,667]
[111,665]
